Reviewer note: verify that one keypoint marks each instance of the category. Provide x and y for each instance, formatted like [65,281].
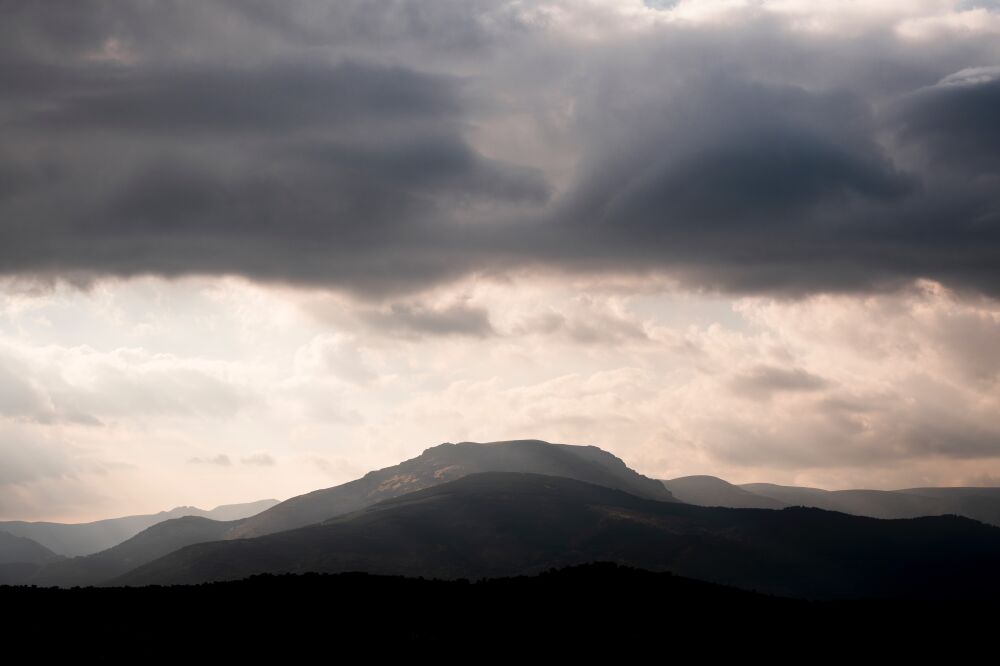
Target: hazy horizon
[251,250]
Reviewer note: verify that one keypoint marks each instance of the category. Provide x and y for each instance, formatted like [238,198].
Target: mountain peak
[450,461]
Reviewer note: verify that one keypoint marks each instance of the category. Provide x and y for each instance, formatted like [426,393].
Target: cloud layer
[754,239]
[384,148]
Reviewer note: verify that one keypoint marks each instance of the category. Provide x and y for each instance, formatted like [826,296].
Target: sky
[250,249]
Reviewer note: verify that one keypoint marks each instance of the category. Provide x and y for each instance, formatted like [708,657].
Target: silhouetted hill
[500,524]
[597,610]
[72,539]
[148,545]
[448,462]
[713,491]
[978,503]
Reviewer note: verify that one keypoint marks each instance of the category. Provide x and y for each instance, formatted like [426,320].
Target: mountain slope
[498,524]
[448,462]
[20,549]
[148,545]
[73,539]
[713,491]
[21,557]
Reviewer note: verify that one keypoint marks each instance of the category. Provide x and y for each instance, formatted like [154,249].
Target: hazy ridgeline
[73,539]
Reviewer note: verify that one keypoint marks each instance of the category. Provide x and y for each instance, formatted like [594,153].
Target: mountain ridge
[502,523]
[76,539]
[977,503]
[447,462]
[155,541]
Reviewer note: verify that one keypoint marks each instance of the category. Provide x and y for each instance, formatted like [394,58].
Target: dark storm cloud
[273,98]
[333,144]
[347,173]
[956,121]
[240,30]
[736,152]
[755,187]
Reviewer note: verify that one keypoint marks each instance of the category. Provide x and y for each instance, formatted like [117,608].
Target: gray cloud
[594,327]
[293,146]
[221,460]
[762,382]
[259,459]
[419,320]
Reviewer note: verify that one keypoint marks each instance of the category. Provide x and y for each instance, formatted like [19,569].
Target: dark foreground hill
[150,544]
[596,610]
[447,462]
[501,524]
[72,539]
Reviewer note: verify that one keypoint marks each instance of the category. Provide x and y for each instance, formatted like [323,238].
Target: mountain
[20,549]
[73,539]
[499,524]
[713,491]
[977,503]
[146,546]
[21,557]
[447,462]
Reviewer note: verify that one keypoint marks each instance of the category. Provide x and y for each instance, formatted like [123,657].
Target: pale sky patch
[831,390]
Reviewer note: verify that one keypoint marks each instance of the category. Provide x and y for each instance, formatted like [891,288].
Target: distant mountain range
[151,543]
[981,504]
[447,462]
[72,539]
[499,524]
[473,510]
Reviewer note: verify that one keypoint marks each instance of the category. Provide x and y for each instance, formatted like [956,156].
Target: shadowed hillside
[500,524]
[20,549]
[151,543]
[448,462]
[21,557]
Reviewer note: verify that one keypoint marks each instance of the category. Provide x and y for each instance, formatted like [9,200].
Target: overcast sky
[250,249]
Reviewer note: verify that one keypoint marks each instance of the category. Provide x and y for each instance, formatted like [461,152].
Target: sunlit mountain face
[250,250]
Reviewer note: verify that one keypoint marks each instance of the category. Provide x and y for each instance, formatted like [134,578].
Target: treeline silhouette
[586,610]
